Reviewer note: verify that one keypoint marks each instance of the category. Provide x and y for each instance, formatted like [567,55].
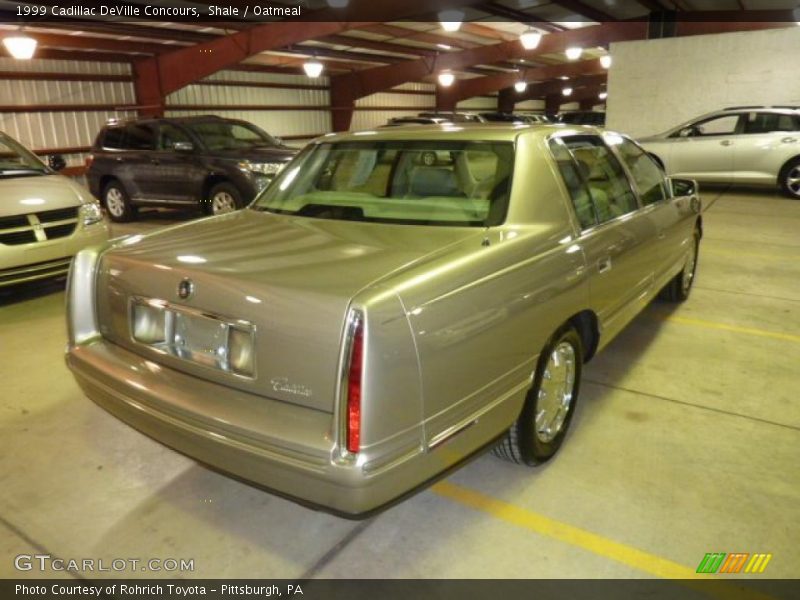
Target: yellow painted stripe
[628,555]
[734,328]
[764,564]
[592,542]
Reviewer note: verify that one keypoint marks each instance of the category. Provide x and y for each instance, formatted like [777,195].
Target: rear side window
[578,191]
[114,138]
[604,176]
[646,174]
[762,122]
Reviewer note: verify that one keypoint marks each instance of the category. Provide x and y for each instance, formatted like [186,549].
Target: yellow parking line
[597,544]
[735,328]
[628,555]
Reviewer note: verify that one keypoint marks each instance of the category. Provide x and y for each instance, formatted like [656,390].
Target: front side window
[725,125]
[454,183]
[169,135]
[139,137]
[762,122]
[17,161]
[604,176]
[645,172]
[230,135]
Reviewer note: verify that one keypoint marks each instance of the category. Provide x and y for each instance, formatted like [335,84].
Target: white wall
[61,129]
[656,84]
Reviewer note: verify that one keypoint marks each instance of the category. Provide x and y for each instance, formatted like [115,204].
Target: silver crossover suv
[45,218]
[754,145]
[393,302]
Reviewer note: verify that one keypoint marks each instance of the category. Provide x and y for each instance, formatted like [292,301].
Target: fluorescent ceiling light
[605,61]
[446,78]
[567,91]
[313,68]
[520,86]
[574,52]
[530,39]
[20,47]
[451,19]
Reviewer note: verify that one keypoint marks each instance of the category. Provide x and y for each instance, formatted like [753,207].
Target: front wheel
[678,289]
[224,198]
[789,179]
[550,404]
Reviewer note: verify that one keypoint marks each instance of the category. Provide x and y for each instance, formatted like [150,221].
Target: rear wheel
[547,413]
[789,179]
[678,289]
[118,203]
[224,198]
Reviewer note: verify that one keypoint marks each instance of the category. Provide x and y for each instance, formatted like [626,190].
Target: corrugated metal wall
[530,105]
[401,105]
[481,103]
[282,123]
[64,129]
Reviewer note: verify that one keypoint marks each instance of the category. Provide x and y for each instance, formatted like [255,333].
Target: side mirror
[279,141]
[683,187]
[686,132]
[56,162]
[183,147]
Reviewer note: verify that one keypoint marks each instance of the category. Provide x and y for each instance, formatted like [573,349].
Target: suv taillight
[355,374]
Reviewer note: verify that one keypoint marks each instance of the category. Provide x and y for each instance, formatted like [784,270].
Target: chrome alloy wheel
[793,180]
[222,202]
[115,203]
[556,392]
[689,268]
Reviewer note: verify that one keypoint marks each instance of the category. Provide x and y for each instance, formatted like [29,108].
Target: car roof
[458,131]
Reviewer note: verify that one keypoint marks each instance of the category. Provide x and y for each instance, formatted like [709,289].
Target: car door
[654,195]
[614,234]
[705,149]
[177,174]
[136,168]
[768,139]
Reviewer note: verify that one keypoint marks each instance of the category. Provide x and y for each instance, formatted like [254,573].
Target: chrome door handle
[604,264]
[789,140]
[726,142]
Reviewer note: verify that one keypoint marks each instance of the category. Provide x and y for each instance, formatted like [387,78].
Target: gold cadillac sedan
[393,303]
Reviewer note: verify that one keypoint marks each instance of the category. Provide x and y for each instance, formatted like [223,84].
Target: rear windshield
[410,182]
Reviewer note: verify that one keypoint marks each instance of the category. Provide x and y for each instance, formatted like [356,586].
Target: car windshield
[229,135]
[16,161]
[454,183]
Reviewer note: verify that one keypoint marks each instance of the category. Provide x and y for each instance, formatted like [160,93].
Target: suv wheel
[224,198]
[117,203]
[790,178]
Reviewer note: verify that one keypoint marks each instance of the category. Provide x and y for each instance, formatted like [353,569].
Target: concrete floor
[686,441]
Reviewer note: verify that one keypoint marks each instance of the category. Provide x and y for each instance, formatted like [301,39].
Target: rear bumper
[285,448]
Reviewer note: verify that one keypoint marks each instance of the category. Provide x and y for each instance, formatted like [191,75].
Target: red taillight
[354,377]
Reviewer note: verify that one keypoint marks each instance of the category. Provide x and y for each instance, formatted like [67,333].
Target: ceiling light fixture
[567,91]
[451,19]
[446,78]
[20,47]
[602,95]
[444,46]
[573,52]
[530,39]
[313,68]
[337,3]
[520,86]
[605,61]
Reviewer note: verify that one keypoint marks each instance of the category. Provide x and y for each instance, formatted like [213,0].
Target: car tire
[223,198]
[117,203]
[679,288]
[789,179]
[551,401]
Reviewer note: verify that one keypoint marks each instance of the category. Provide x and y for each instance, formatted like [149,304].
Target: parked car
[45,218]
[502,117]
[754,145]
[209,162]
[454,117]
[583,117]
[398,121]
[372,320]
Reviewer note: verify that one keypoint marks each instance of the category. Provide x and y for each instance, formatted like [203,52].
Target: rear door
[135,168]
[615,234]
[768,139]
[177,175]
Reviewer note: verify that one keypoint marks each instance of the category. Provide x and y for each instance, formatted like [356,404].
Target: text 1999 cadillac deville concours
[394,302]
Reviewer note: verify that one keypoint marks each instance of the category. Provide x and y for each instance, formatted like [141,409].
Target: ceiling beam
[584,10]
[55,40]
[354,42]
[357,85]
[512,14]
[540,90]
